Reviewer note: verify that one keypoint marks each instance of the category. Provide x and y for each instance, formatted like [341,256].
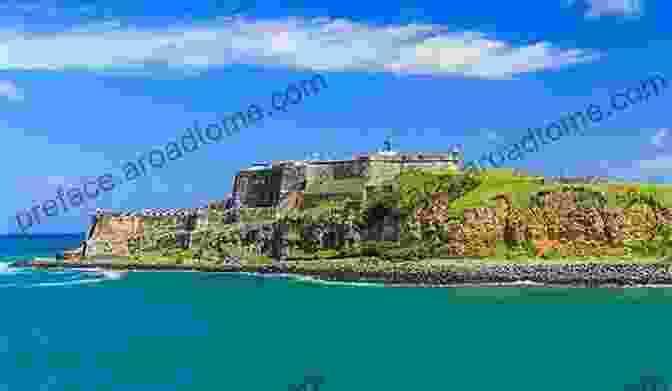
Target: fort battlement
[269,185]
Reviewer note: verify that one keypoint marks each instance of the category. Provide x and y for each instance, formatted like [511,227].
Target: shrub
[501,249]
[325,254]
[260,260]
[370,251]
[401,254]
[370,260]
[552,253]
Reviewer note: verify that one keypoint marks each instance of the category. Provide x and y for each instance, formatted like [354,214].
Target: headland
[403,219]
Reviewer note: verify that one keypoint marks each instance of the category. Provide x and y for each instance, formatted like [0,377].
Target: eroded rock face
[639,223]
[614,220]
[480,233]
[575,230]
[554,218]
[455,239]
[585,224]
[515,230]
[664,216]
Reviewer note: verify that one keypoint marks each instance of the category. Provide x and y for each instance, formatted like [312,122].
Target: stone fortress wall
[112,233]
[274,184]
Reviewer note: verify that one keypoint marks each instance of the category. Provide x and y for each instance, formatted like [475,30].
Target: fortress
[262,187]
[266,185]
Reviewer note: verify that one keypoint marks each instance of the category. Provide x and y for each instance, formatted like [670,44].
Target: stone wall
[293,178]
[118,235]
[259,188]
[110,235]
[441,164]
[336,170]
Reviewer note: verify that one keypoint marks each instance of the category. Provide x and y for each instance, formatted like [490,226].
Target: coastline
[415,274]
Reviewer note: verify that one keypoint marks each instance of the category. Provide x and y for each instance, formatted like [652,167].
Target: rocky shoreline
[581,275]
[418,274]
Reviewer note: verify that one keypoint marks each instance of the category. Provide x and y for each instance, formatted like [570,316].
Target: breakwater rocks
[579,275]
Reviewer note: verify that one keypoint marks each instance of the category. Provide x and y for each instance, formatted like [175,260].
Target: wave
[68,283]
[28,278]
[317,281]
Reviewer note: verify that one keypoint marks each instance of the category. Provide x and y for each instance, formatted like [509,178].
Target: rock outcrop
[566,220]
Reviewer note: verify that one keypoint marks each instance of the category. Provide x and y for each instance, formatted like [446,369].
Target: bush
[418,185]
[370,251]
[525,250]
[552,253]
[370,260]
[377,248]
[401,254]
[325,254]
[261,260]
[442,251]
[585,197]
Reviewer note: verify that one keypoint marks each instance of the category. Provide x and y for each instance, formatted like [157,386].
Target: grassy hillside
[498,181]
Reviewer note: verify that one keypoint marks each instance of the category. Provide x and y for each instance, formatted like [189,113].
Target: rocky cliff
[575,224]
[559,220]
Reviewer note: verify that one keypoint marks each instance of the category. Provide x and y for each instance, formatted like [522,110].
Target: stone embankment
[417,274]
[580,275]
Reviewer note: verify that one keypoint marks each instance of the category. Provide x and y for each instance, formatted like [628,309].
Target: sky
[86,87]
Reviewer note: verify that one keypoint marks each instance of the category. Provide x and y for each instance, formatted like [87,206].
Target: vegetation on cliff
[492,215]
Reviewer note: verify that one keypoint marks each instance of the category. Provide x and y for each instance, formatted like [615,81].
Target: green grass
[258,260]
[347,185]
[499,181]
[381,173]
[502,181]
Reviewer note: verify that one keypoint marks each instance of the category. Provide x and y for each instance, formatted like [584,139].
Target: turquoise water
[193,331]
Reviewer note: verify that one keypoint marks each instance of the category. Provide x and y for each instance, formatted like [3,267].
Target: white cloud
[658,139]
[598,8]
[10,91]
[660,163]
[318,44]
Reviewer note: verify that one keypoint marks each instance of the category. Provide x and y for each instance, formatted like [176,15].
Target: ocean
[88,330]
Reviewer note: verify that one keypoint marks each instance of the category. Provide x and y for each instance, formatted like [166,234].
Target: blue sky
[87,86]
